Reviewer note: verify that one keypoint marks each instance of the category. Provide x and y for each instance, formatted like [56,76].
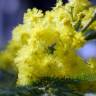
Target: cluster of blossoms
[47,43]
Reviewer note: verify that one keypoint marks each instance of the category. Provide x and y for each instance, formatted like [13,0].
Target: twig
[89,22]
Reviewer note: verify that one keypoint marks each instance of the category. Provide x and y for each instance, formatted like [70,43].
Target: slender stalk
[89,22]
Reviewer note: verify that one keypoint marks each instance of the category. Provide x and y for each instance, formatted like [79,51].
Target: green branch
[89,22]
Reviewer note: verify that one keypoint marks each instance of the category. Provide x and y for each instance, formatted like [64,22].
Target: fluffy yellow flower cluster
[47,43]
[51,45]
[7,56]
